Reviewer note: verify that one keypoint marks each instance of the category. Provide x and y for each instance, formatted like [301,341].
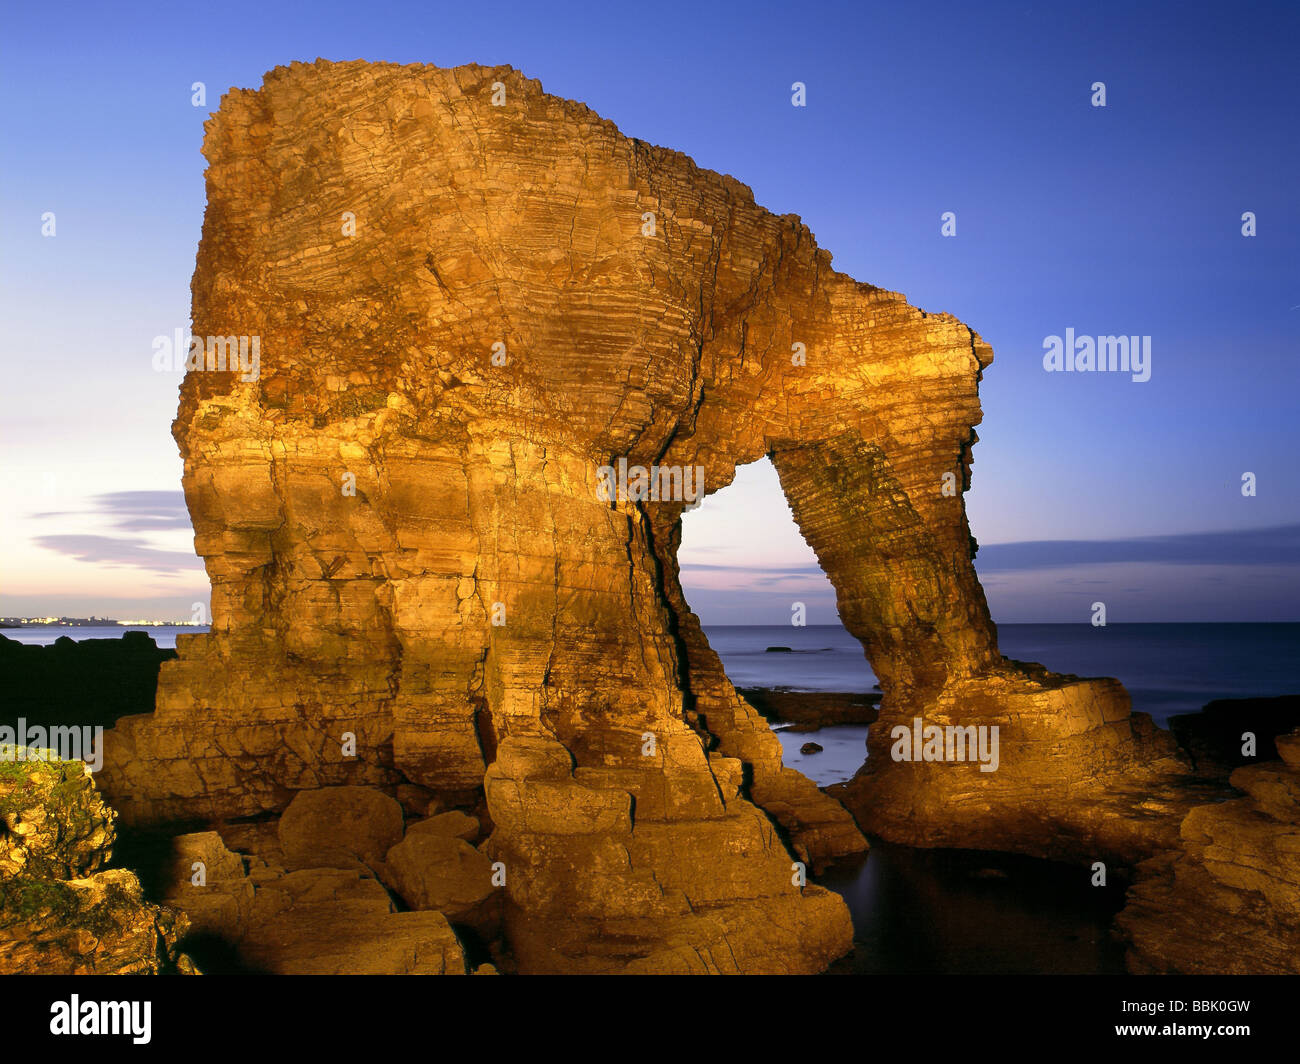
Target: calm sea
[1167,669]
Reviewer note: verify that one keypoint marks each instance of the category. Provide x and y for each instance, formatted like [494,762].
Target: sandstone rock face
[470,297]
[1227,901]
[59,915]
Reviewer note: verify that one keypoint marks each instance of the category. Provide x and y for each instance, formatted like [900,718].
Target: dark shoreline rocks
[820,708]
[1213,736]
[86,683]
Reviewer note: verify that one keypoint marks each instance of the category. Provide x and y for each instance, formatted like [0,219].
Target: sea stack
[469,297]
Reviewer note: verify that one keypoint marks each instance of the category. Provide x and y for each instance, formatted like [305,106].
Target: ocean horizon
[1167,668]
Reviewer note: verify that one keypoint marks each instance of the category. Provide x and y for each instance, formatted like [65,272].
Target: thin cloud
[131,552]
[757,570]
[135,511]
[1256,546]
[1253,547]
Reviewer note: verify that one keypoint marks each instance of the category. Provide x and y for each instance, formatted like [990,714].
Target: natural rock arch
[476,501]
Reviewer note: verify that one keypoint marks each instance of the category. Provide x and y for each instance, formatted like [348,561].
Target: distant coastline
[92,622]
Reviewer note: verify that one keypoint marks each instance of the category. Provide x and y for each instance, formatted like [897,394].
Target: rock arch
[475,502]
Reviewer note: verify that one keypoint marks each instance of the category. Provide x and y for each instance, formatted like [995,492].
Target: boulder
[454,823]
[335,826]
[431,870]
[251,916]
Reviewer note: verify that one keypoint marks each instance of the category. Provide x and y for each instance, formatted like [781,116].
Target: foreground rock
[1227,900]
[59,914]
[423,575]
[252,916]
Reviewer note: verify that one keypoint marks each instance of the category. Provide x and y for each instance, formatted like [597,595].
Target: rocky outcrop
[470,298]
[1079,776]
[60,912]
[812,709]
[1227,900]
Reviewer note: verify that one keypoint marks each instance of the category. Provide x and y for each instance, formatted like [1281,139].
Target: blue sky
[1117,220]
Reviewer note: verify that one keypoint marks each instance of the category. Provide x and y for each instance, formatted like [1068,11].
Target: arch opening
[769,612]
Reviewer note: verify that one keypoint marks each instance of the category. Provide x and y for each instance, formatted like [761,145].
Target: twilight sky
[1125,219]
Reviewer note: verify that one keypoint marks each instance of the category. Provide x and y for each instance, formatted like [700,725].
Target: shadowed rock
[1227,900]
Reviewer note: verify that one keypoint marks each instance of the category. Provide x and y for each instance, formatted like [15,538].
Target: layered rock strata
[469,298]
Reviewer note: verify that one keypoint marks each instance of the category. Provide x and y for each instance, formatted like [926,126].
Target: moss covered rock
[59,914]
[53,822]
